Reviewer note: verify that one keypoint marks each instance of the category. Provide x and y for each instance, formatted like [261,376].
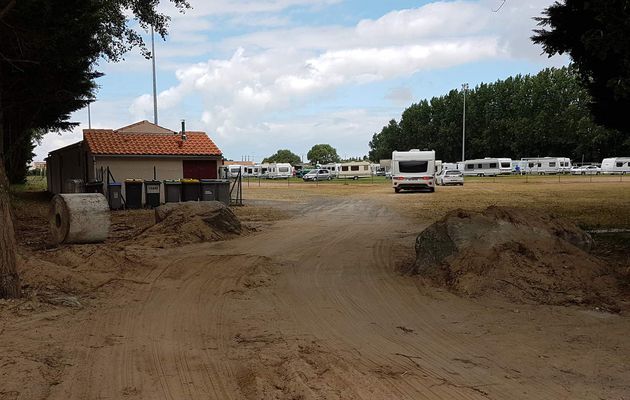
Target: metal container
[74,186]
[172,191]
[114,195]
[216,189]
[133,193]
[152,193]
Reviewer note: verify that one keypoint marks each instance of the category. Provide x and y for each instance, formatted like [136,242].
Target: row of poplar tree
[546,114]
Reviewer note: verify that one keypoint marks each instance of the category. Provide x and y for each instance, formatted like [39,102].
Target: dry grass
[602,203]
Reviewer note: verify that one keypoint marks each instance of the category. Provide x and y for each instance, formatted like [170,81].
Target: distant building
[137,151]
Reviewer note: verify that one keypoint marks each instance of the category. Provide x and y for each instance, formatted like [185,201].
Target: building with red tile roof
[142,150]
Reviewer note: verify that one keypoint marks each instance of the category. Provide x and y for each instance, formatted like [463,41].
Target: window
[283,169]
[479,166]
[470,166]
[493,165]
[552,164]
[344,168]
[531,165]
[619,164]
[413,166]
[354,168]
[539,165]
[365,167]
[505,165]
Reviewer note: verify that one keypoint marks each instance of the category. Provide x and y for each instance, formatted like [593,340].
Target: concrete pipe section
[79,218]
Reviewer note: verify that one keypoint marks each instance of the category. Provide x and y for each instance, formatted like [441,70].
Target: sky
[263,75]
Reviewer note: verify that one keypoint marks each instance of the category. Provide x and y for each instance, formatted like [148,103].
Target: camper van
[333,168]
[413,170]
[251,171]
[355,170]
[279,171]
[616,165]
[488,167]
[546,165]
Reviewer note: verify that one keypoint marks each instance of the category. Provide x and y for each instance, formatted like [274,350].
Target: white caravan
[251,170]
[488,167]
[449,165]
[546,165]
[355,170]
[234,170]
[616,165]
[279,171]
[413,169]
[333,168]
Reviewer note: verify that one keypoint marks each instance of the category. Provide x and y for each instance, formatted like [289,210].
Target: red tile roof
[107,141]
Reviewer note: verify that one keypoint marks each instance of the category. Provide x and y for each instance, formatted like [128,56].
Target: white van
[488,167]
[279,171]
[355,170]
[413,169]
[616,165]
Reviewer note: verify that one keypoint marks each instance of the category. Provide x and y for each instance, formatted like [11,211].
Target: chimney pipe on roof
[183,130]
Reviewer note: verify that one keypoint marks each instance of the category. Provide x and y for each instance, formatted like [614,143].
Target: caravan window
[552,164]
[344,168]
[619,164]
[354,168]
[283,169]
[365,167]
[493,165]
[479,166]
[470,166]
[413,166]
[506,165]
[531,165]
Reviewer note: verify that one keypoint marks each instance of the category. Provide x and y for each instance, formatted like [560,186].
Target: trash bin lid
[171,182]
[152,182]
[133,181]
[115,184]
[190,180]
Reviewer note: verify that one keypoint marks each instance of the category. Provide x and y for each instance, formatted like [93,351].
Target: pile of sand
[190,222]
[518,254]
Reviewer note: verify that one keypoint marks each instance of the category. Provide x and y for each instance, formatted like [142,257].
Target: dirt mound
[190,222]
[518,254]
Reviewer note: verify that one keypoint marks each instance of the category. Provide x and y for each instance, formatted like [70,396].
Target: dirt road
[313,308]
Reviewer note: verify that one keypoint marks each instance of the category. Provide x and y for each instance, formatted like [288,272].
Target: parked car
[318,175]
[587,170]
[450,177]
[302,172]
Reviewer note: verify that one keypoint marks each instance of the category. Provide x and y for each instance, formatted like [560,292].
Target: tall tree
[595,35]
[283,156]
[322,154]
[546,114]
[48,52]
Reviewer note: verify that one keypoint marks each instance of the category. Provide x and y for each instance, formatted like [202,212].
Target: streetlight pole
[155,113]
[464,88]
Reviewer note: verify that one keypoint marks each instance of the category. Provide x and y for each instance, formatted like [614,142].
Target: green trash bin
[114,195]
[190,189]
[172,191]
[208,189]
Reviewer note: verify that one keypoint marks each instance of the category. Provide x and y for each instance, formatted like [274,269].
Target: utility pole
[89,117]
[464,88]
[155,114]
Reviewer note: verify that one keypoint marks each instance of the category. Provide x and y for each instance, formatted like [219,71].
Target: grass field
[601,204]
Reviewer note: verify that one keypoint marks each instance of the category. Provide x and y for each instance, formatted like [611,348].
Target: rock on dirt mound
[515,253]
[190,222]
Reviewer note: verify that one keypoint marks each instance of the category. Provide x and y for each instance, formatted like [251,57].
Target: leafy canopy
[322,154]
[596,35]
[283,156]
[523,116]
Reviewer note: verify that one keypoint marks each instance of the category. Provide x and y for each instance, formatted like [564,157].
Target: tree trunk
[9,279]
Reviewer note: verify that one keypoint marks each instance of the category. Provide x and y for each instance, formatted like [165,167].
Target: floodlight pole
[464,88]
[155,113]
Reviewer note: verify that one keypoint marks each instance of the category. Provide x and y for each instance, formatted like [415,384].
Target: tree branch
[7,8]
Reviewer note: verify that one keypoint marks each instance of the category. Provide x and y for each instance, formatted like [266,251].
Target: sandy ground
[308,306]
